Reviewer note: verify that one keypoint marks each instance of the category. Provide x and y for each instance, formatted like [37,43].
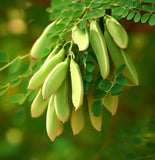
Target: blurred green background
[127,135]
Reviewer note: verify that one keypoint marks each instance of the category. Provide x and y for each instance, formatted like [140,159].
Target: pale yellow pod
[54,127]
[43,42]
[61,102]
[77,84]
[78,119]
[38,105]
[95,121]
[80,37]
[111,103]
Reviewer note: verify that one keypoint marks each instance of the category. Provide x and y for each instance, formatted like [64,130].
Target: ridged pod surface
[95,121]
[39,77]
[78,119]
[43,42]
[80,37]
[111,103]
[100,49]
[61,102]
[54,126]
[119,57]
[77,84]
[38,105]
[55,79]
[117,32]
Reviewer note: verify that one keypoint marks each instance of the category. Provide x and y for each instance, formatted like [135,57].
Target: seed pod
[43,42]
[55,79]
[54,127]
[78,119]
[99,46]
[38,105]
[77,84]
[80,37]
[111,103]
[117,32]
[119,57]
[61,102]
[95,121]
[39,77]
[52,54]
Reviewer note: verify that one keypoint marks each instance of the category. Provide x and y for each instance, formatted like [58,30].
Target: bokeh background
[127,135]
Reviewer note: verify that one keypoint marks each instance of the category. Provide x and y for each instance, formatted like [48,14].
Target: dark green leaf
[14,77]
[3,90]
[15,65]
[145,17]
[137,17]
[67,14]
[96,108]
[121,80]
[82,24]
[120,69]
[90,66]
[3,56]
[116,89]
[148,8]
[118,11]
[56,3]
[125,13]
[105,85]
[76,14]
[99,94]
[16,82]
[129,3]
[88,76]
[17,98]
[152,20]
[149,1]
[130,15]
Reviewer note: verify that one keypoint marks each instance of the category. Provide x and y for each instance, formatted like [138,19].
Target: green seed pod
[80,37]
[39,77]
[54,127]
[117,32]
[52,54]
[55,79]
[119,57]
[38,105]
[77,84]
[43,42]
[61,102]
[99,46]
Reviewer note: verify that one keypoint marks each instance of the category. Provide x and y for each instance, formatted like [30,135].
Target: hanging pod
[119,57]
[117,31]
[95,121]
[80,37]
[54,126]
[39,77]
[61,102]
[78,119]
[77,84]
[55,79]
[38,105]
[111,103]
[43,42]
[100,49]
